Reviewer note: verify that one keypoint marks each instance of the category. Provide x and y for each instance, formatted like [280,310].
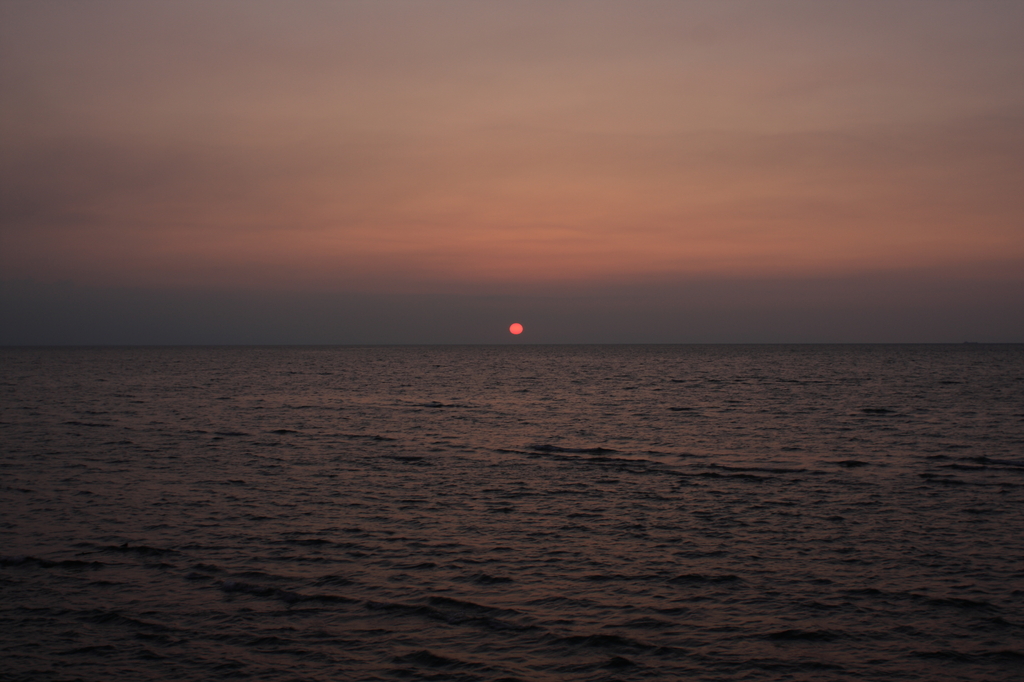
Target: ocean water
[512,513]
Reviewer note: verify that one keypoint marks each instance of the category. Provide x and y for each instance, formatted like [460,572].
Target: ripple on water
[521,513]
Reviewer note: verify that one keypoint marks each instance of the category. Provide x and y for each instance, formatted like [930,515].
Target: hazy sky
[431,171]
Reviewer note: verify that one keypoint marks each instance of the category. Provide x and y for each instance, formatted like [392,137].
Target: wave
[47,563]
[286,596]
[704,579]
[581,451]
[804,636]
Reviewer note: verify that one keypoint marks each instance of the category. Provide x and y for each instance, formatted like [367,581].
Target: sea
[532,513]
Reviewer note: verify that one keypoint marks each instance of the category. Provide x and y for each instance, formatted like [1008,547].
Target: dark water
[528,513]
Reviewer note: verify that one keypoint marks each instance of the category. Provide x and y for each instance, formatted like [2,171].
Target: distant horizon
[862,310]
[514,345]
[77,316]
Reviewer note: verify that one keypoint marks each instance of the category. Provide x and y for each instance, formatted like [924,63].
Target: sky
[405,171]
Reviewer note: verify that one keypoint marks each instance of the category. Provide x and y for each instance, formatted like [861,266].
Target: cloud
[512,205]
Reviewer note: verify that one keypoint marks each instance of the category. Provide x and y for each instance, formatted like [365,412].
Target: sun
[516,328]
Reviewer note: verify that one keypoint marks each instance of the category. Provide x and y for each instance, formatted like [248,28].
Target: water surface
[500,513]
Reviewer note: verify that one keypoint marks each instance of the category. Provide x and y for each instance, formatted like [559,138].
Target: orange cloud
[388,148]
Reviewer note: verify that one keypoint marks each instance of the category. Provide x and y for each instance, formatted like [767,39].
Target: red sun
[516,328]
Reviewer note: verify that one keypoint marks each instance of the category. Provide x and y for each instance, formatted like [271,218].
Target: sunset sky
[409,171]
